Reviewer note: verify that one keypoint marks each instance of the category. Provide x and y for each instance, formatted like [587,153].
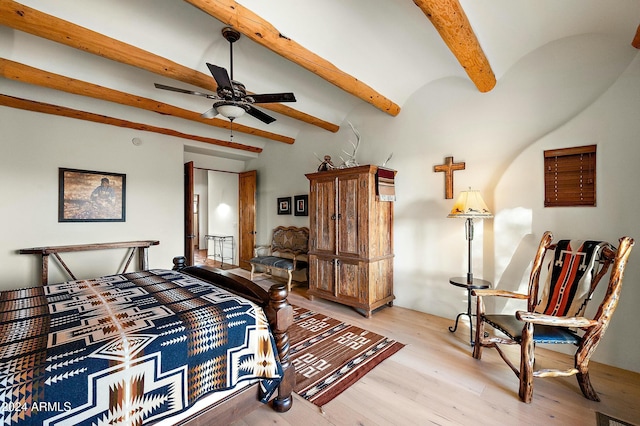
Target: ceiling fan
[231,99]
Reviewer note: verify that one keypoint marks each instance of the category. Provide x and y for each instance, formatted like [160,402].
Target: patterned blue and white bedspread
[126,349]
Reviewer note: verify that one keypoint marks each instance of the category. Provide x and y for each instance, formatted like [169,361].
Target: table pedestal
[475,283]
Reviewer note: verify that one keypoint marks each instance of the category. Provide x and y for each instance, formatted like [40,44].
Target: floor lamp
[469,205]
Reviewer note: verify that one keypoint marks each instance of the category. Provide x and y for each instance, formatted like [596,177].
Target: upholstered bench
[287,252]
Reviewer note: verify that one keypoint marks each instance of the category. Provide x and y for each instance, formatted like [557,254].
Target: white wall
[281,170]
[612,123]
[588,84]
[223,212]
[32,148]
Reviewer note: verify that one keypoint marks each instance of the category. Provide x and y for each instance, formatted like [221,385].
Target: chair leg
[527,359]
[477,347]
[289,281]
[252,270]
[585,385]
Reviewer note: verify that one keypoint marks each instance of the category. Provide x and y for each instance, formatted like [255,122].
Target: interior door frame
[188,213]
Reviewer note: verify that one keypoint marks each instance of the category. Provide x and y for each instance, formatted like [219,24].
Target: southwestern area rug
[330,355]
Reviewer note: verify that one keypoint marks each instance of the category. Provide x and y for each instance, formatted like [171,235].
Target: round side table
[476,283]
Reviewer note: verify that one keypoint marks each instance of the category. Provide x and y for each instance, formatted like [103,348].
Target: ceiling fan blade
[209,113]
[221,77]
[188,92]
[265,118]
[273,97]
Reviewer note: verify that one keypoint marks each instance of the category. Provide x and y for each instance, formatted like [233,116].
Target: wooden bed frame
[274,302]
[280,315]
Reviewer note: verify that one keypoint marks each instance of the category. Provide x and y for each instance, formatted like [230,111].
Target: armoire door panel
[322,275]
[348,215]
[323,220]
[348,281]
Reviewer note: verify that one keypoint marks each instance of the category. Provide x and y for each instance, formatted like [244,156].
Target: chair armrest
[542,319]
[497,292]
[257,249]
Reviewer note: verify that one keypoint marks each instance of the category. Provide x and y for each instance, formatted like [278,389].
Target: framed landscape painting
[90,196]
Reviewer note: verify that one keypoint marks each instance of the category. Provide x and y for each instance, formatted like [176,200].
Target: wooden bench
[287,252]
[142,247]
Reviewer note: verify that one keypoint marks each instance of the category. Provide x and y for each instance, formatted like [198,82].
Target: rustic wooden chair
[555,313]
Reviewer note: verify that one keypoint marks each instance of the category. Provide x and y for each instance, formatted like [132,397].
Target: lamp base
[468,228]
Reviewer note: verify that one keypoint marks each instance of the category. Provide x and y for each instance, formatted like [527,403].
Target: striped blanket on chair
[568,286]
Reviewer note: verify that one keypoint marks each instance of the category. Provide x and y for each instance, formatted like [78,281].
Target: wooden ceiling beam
[27,74]
[262,32]
[29,105]
[449,19]
[32,21]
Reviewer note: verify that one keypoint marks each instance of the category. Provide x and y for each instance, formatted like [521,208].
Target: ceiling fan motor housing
[232,100]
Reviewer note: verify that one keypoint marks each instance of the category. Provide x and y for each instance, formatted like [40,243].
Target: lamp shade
[470,204]
[230,111]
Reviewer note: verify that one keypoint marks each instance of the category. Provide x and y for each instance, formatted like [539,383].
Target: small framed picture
[301,205]
[89,196]
[284,205]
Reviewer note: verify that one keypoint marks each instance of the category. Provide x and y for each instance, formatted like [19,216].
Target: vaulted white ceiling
[388,45]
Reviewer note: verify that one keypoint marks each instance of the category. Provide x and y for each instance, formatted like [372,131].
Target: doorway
[222,218]
[226,233]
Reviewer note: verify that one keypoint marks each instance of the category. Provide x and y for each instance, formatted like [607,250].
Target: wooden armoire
[351,238]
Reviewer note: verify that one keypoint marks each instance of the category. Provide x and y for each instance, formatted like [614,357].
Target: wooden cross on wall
[448,168]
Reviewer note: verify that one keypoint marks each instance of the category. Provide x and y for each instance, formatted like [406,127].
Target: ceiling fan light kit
[231,111]
[231,98]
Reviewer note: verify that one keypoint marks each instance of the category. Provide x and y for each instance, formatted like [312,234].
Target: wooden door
[247,219]
[188,213]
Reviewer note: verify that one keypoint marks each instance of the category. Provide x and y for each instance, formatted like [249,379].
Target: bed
[191,345]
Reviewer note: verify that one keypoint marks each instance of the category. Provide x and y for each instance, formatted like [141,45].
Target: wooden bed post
[179,263]
[280,313]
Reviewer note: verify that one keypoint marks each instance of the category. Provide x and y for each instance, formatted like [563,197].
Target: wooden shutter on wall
[570,177]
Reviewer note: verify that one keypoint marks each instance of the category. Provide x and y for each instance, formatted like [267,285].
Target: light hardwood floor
[435,380]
